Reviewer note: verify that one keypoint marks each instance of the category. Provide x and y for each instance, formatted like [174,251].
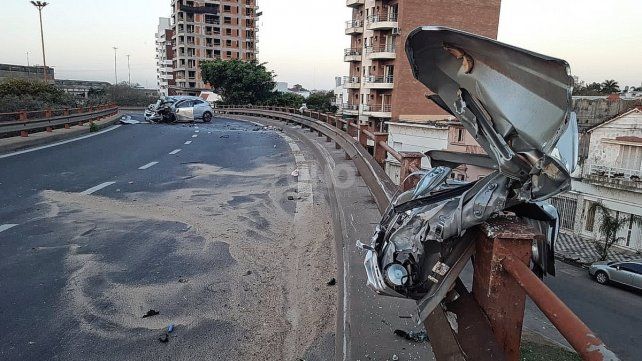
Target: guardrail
[25,122]
[485,324]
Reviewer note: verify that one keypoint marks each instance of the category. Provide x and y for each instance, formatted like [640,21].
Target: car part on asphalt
[516,104]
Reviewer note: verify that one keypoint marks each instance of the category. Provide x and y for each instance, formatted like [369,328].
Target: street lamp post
[129,71]
[40,5]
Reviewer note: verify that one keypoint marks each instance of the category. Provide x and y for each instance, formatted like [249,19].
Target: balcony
[383,52]
[355,3]
[382,22]
[614,177]
[199,9]
[352,54]
[350,109]
[378,82]
[351,82]
[377,111]
[354,27]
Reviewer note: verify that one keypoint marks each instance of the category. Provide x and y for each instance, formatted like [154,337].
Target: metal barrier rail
[488,321]
[50,119]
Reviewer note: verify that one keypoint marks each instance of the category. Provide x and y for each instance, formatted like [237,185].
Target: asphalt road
[191,221]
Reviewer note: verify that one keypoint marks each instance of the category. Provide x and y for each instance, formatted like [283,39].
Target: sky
[303,40]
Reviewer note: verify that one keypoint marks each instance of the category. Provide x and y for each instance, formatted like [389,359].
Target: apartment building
[207,30]
[380,81]
[164,57]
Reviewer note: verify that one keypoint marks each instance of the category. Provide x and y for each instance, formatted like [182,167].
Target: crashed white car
[179,109]
[517,105]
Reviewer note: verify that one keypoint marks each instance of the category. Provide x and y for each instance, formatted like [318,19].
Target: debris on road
[164,338]
[127,119]
[290,198]
[170,328]
[248,273]
[182,280]
[295,173]
[225,136]
[332,282]
[395,358]
[151,313]
[421,336]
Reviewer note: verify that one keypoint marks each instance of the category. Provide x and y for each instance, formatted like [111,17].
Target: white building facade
[164,68]
[611,175]
[413,136]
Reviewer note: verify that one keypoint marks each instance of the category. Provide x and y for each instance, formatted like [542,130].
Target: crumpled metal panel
[516,104]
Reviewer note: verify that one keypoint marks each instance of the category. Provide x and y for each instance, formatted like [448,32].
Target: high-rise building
[207,30]
[380,84]
[164,57]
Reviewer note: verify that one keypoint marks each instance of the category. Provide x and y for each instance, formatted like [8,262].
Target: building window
[227,9]
[590,217]
[460,135]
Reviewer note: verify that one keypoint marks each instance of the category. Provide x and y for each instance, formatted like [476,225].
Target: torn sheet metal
[516,104]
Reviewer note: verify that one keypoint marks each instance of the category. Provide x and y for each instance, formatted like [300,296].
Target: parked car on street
[627,273]
[179,109]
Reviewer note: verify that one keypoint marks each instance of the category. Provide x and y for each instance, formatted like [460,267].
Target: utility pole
[129,71]
[115,68]
[40,5]
[28,58]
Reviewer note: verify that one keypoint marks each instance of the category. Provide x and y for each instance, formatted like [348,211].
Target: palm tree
[610,87]
[610,226]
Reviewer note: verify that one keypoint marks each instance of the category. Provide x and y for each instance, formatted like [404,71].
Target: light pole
[129,71]
[115,68]
[40,5]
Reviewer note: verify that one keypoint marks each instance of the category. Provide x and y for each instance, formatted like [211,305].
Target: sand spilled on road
[273,286]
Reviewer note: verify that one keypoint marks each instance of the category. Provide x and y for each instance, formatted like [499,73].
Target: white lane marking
[4,227]
[196,131]
[188,142]
[96,188]
[148,165]
[59,143]
[194,136]
[175,151]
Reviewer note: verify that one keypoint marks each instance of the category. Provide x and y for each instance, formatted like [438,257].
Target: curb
[75,131]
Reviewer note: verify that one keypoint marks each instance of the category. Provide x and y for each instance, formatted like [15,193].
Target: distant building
[81,88]
[207,30]
[593,110]
[415,135]
[164,57]
[10,71]
[283,87]
[611,175]
[340,93]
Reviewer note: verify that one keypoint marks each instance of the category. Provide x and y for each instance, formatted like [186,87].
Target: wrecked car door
[185,111]
[516,104]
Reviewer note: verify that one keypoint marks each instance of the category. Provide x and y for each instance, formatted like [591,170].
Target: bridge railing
[25,122]
[485,324]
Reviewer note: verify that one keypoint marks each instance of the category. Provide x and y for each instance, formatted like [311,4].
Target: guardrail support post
[48,113]
[379,152]
[22,115]
[363,138]
[49,129]
[496,292]
[24,133]
[409,160]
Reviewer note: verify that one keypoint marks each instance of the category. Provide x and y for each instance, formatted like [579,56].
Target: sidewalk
[575,249]
[13,144]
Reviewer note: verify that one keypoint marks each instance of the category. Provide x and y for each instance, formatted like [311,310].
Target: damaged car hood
[514,102]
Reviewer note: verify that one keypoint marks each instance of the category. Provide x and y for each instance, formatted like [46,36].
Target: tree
[22,94]
[281,99]
[610,87]
[322,101]
[124,94]
[239,82]
[610,226]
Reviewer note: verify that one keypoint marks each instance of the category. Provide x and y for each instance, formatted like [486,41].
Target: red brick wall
[475,16]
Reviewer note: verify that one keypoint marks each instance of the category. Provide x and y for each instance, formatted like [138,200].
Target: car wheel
[207,117]
[602,278]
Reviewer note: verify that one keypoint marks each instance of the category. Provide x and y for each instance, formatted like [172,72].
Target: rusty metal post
[24,133]
[496,292]
[409,161]
[48,113]
[352,127]
[379,151]
[65,112]
[22,115]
